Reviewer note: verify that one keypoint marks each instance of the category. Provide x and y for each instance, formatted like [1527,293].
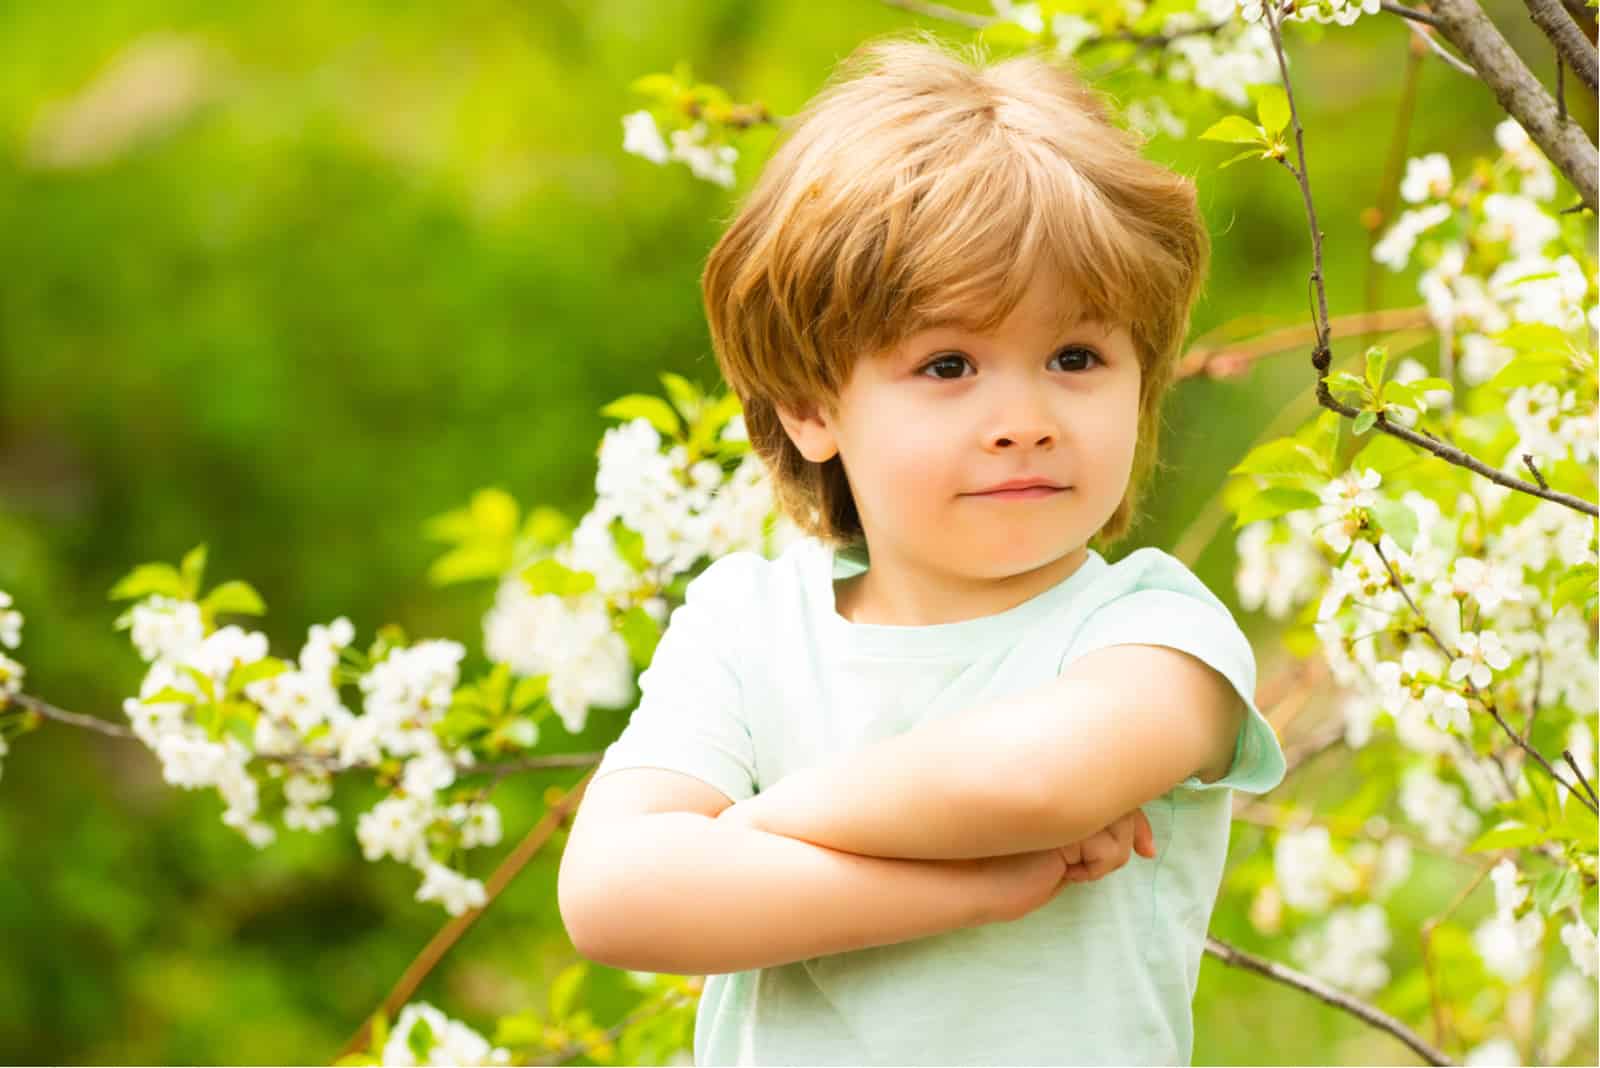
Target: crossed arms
[1053,765]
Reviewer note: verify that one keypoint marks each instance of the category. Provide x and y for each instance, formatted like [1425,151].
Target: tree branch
[1409,13]
[1463,24]
[1281,973]
[448,935]
[1322,354]
[1570,42]
[1483,698]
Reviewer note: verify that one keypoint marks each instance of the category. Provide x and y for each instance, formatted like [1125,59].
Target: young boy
[848,768]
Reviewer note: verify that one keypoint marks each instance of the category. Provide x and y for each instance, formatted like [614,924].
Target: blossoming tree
[1427,542]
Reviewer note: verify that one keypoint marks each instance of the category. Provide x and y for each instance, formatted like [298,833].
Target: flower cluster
[683,511]
[1437,597]
[271,735]
[692,145]
[422,1035]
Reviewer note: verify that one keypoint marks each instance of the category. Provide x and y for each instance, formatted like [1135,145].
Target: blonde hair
[924,184]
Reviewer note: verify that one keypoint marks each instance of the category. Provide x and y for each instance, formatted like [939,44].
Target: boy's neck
[858,598]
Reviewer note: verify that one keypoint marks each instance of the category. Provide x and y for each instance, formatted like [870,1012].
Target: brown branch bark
[1281,973]
[451,932]
[1571,44]
[1463,24]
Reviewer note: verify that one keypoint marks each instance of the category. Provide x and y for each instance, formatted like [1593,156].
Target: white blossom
[451,1042]
[641,137]
[1347,951]
[1476,654]
[1427,178]
[1509,945]
[1580,943]
[1393,250]
[1570,1000]
[1308,871]
[1494,1053]
[455,891]
[10,623]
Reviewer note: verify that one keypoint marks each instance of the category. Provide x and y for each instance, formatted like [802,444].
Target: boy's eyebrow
[964,326]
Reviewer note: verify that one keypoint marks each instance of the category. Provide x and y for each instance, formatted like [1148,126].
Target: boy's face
[923,428]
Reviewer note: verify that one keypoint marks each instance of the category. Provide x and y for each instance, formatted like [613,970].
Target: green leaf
[642,406]
[529,690]
[1273,502]
[629,545]
[1272,108]
[1247,154]
[1344,381]
[1576,582]
[1397,520]
[147,579]
[641,632]
[1236,129]
[1530,370]
[1555,891]
[659,86]
[1534,337]
[1578,824]
[168,694]
[564,990]
[1400,394]
[1385,453]
[201,679]
[547,527]
[468,563]
[707,428]
[520,1029]
[237,597]
[379,1031]
[1281,457]
[194,565]
[685,395]
[1377,361]
[1363,422]
[421,1039]
[1508,835]
[550,576]
[265,668]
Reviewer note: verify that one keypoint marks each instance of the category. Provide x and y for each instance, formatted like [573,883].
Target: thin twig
[1427,628]
[75,719]
[1409,13]
[1322,355]
[1527,459]
[1579,773]
[1451,61]
[1238,958]
[448,935]
[1428,927]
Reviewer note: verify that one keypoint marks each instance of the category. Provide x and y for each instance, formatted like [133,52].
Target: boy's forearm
[693,895]
[953,787]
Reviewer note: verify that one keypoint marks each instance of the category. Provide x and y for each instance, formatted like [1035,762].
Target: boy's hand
[1106,850]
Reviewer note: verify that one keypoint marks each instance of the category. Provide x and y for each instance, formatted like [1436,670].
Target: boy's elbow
[576,901]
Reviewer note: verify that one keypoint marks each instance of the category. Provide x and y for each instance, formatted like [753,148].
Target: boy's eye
[1076,358]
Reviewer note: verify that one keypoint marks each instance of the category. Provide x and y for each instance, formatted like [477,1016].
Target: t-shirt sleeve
[690,717]
[1197,624]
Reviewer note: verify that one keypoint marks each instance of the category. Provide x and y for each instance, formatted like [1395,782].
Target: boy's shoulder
[1150,568]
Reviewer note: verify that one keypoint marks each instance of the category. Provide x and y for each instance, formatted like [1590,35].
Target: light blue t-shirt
[758,676]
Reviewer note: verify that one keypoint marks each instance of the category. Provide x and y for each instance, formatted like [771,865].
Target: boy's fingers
[1144,839]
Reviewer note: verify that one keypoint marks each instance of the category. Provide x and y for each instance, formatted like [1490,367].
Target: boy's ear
[810,431]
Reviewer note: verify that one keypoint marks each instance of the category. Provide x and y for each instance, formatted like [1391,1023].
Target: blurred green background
[312,273]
